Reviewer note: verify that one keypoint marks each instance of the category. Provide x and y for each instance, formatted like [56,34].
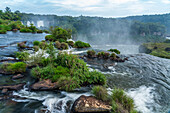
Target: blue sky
[104,8]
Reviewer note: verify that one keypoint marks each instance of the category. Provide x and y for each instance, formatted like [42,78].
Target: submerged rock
[44,85]
[18,76]
[4,91]
[89,104]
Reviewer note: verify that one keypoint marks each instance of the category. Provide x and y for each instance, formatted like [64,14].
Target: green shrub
[64,45]
[114,50]
[12,68]
[50,72]
[3,31]
[43,45]
[39,31]
[25,30]
[61,40]
[80,44]
[45,61]
[57,44]
[46,31]
[91,53]
[36,43]
[36,48]
[100,92]
[49,38]
[113,55]
[68,83]
[22,55]
[106,55]
[71,43]
[119,97]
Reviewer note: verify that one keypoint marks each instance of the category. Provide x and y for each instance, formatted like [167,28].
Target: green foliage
[57,44]
[100,92]
[39,31]
[160,51]
[49,37]
[113,55]
[33,28]
[36,48]
[36,43]
[103,54]
[71,43]
[12,68]
[60,34]
[50,72]
[91,53]
[3,31]
[21,45]
[43,45]
[119,97]
[64,46]
[68,83]
[114,50]
[80,44]
[46,31]
[22,55]
[25,30]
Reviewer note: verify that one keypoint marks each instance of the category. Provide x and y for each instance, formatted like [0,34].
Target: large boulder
[44,85]
[89,104]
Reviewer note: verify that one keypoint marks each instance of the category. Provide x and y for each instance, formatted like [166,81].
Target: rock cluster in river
[89,104]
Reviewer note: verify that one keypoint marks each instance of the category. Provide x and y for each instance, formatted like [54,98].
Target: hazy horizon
[99,8]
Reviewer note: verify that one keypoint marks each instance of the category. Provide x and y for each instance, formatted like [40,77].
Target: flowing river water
[144,77]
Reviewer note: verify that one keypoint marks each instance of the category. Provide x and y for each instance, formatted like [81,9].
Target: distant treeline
[107,29]
[91,28]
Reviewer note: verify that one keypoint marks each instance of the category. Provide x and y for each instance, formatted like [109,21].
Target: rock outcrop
[89,104]
[44,85]
[12,87]
[18,76]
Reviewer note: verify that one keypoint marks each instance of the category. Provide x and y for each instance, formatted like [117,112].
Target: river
[144,77]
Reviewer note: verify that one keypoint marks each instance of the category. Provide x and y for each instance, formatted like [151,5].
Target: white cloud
[166,1]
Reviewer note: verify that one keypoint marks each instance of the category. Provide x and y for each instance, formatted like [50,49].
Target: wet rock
[4,91]
[3,46]
[89,104]
[44,85]
[18,76]
[12,87]
[22,45]
[167,49]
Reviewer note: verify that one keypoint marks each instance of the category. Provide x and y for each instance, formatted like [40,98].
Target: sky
[102,8]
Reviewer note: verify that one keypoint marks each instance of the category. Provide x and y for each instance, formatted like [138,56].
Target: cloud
[106,8]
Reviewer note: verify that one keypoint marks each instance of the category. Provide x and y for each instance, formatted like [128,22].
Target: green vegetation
[103,54]
[69,69]
[158,49]
[64,46]
[80,44]
[3,31]
[100,92]
[12,68]
[91,53]
[22,55]
[120,102]
[43,45]
[58,34]
[114,50]
[57,44]
[36,43]
[113,55]
[36,48]
[71,43]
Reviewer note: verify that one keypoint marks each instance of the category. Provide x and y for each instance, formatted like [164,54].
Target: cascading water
[145,78]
